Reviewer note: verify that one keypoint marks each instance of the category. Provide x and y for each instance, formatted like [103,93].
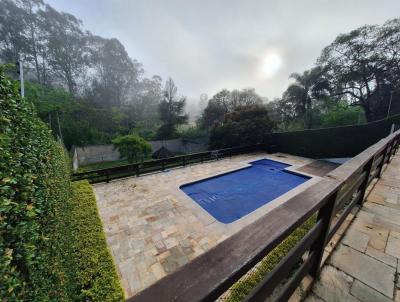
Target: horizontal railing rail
[105,175]
[331,199]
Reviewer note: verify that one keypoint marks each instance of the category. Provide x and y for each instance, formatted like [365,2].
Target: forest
[90,91]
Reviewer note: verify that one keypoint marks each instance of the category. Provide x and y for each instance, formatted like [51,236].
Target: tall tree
[67,47]
[143,103]
[364,66]
[171,110]
[116,74]
[13,41]
[308,86]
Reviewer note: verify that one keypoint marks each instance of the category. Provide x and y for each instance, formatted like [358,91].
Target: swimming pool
[230,196]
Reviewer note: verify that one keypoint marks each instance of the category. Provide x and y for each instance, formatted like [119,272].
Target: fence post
[184,160]
[137,170]
[107,176]
[163,164]
[325,214]
[378,175]
[390,151]
[364,184]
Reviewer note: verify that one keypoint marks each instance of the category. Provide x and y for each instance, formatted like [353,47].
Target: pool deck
[152,227]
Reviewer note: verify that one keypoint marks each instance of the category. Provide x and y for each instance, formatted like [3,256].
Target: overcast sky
[207,45]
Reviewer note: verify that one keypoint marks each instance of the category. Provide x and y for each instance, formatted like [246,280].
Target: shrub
[90,266]
[132,146]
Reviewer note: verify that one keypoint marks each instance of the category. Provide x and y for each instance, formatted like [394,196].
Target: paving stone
[365,268]
[366,293]
[333,284]
[313,298]
[385,258]
[351,298]
[378,234]
[356,240]
[158,270]
[393,246]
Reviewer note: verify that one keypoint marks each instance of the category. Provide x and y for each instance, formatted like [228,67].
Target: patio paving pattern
[152,227]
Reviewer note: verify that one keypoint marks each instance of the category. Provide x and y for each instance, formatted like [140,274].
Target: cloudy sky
[207,45]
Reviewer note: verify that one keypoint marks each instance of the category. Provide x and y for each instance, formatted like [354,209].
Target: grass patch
[244,286]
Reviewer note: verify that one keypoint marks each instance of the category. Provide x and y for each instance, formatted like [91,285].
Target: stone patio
[152,227]
[365,265]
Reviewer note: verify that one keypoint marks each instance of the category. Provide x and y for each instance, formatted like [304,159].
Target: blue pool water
[230,196]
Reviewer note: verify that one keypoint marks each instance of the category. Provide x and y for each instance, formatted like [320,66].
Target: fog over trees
[89,90]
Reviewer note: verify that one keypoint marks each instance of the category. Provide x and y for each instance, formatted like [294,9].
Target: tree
[132,146]
[143,104]
[364,66]
[226,101]
[67,46]
[245,125]
[116,74]
[308,86]
[216,109]
[282,113]
[13,41]
[171,110]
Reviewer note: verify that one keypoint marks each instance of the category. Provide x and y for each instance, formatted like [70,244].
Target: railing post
[378,175]
[163,164]
[389,154]
[137,170]
[395,145]
[364,184]
[107,176]
[184,161]
[325,214]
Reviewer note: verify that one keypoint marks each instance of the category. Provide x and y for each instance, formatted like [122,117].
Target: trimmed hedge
[244,286]
[345,141]
[90,265]
[38,255]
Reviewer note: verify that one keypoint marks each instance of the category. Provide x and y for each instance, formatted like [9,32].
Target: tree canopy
[245,125]
[171,110]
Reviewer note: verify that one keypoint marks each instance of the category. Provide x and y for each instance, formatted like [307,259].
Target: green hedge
[244,286]
[345,141]
[35,192]
[90,265]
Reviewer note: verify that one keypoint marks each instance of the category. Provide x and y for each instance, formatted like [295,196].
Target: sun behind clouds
[271,64]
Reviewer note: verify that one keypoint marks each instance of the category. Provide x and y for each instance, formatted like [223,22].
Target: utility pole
[20,72]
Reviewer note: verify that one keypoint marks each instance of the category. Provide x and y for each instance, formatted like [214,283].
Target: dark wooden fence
[331,199]
[150,166]
[343,141]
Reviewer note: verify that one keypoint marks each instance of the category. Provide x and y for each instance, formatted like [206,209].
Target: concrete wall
[103,153]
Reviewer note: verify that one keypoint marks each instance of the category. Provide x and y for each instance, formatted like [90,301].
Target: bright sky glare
[208,45]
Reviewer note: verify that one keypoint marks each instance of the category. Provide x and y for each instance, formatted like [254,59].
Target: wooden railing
[105,175]
[331,199]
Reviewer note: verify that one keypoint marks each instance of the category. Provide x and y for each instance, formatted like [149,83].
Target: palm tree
[309,85]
